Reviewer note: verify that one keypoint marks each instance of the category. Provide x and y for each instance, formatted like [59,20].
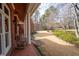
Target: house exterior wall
[31,29]
[12,29]
[13,40]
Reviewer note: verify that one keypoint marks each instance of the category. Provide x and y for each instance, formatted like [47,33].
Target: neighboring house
[15,21]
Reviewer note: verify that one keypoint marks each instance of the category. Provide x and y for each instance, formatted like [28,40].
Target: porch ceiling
[33,7]
[21,9]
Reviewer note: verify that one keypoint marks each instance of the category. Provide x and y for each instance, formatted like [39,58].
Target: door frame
[4,49]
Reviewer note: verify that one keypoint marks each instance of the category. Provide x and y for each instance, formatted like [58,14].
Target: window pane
[6,25]
[6,10]
[0,23]
[7,31]
[0,5]
[0,32]
[6,39]
[0,45]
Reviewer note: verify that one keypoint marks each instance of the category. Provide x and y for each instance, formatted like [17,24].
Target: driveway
[54,46]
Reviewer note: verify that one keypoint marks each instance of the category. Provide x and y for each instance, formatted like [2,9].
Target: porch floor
[29,50]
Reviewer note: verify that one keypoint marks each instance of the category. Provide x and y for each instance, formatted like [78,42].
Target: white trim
[16,16]
[2,38]
[1,35]
[32,8]
[9,33]
[28,18]
[25,27]
[18,23]
[28,10]
[29,34]
[1,43]
[13,6]
[4,49]
[29,26]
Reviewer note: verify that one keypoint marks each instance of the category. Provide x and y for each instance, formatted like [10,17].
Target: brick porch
[29,50]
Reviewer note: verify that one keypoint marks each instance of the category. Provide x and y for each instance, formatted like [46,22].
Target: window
[0,33]
[6,32]
[6,10]
[0,45]
[6,25]
[5,35]
[0,6]
[6,40]
[0,23]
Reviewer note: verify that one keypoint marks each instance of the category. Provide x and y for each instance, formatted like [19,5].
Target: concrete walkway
[54,46]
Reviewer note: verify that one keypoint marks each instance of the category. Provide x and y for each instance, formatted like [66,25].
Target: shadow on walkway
[52,48]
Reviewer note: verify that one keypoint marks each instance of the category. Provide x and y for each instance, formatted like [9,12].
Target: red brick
[27,51]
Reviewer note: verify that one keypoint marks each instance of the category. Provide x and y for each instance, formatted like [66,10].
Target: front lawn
[68,36]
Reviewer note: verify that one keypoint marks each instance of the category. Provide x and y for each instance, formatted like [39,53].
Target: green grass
[68,36]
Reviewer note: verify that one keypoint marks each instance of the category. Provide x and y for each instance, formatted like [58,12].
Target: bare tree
[76,20]
[48,17]
[36,20]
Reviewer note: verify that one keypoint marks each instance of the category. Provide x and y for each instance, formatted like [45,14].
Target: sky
[45,6]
